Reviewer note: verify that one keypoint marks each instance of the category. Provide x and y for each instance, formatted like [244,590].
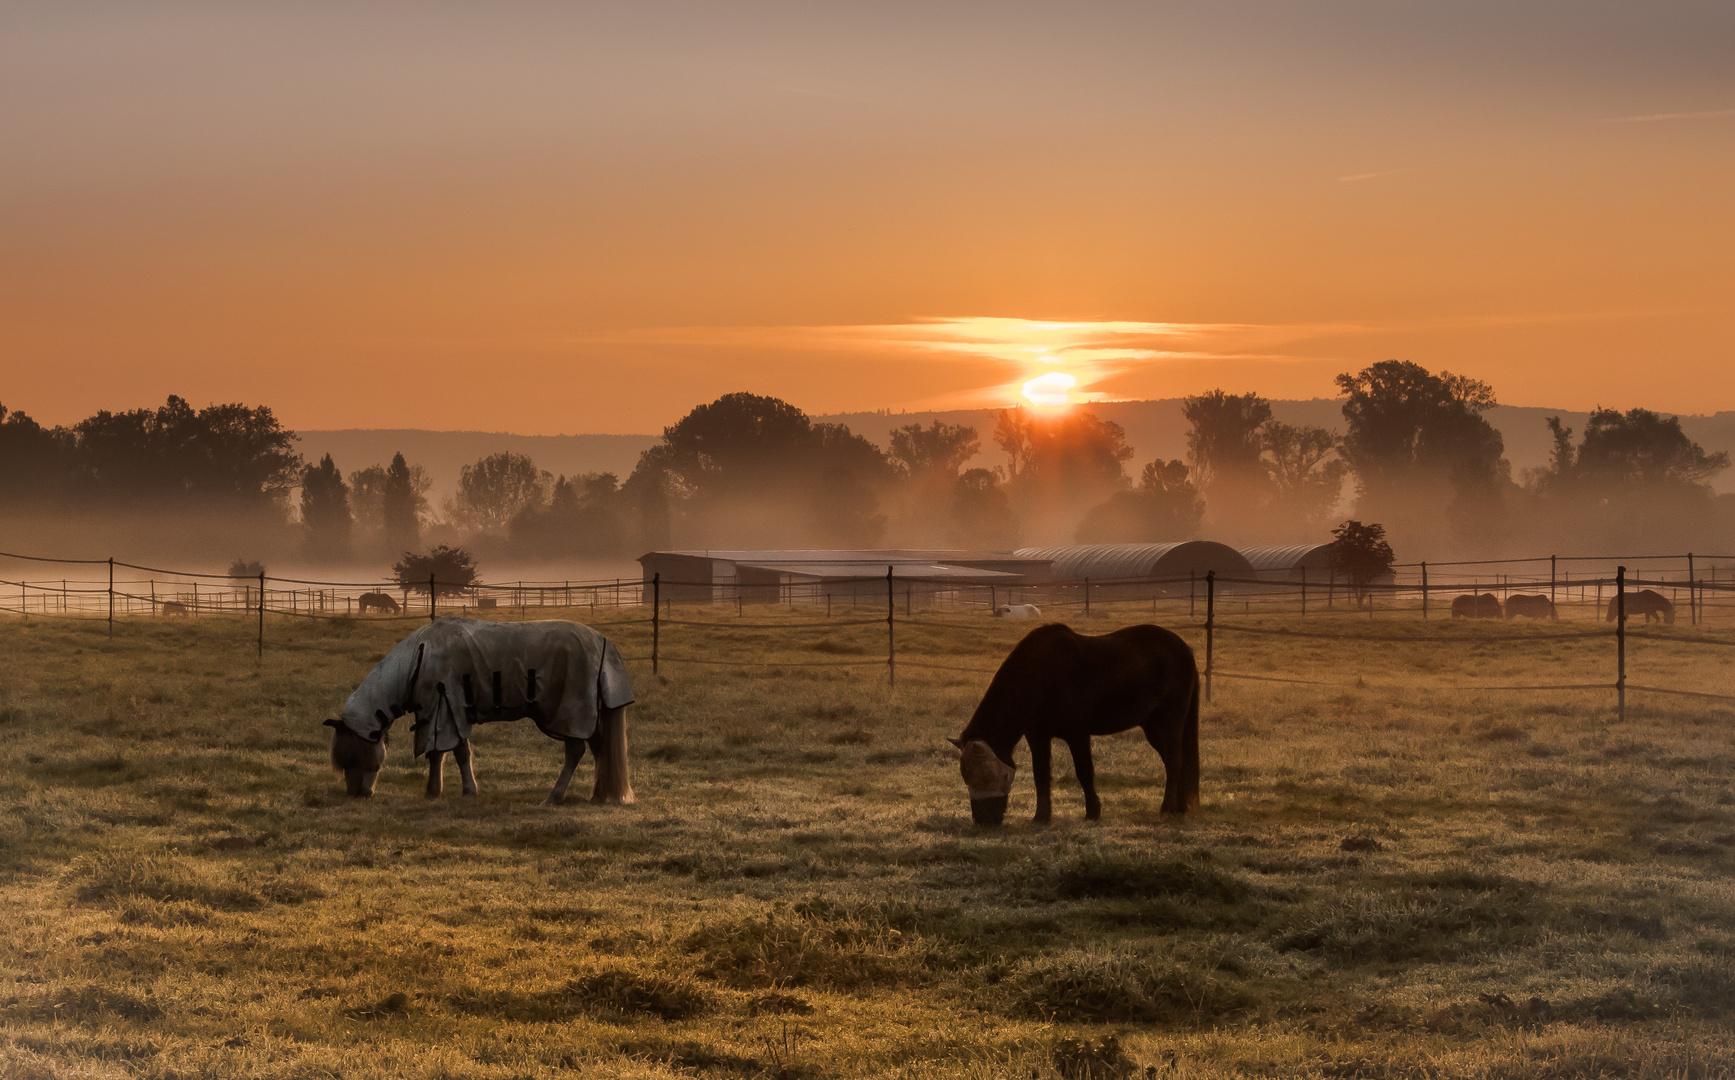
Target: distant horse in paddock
[1647,602]
[174,607]
[454,673]
[1531,607]
[1060,684]
[1476,606]
[377,601]
[1018,611]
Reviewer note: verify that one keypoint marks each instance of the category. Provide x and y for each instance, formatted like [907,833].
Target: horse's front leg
[466,772]
[1086,771]
[436,759]
[1042,771]
[574,755]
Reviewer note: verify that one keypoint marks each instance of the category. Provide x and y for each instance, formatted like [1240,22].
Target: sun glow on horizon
[1053,390]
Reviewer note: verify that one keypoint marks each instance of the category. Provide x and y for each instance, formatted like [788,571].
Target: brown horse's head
[988,778]
[357,759]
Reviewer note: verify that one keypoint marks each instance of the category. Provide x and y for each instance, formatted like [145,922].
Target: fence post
[261,614]
[1210,626]
[1621,641]
[1551,559]
[1087,597]
[891,632]
[1692,594]
[432,593]
[111,596]
[1424,589]
[656,624]
[993,599]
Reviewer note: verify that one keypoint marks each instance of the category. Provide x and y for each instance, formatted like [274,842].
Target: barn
[1140,562]
[810,575]
[1293,562]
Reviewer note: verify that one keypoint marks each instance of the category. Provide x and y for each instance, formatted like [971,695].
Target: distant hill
[1154,429]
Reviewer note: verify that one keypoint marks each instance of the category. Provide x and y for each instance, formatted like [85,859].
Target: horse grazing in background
[174,607]
[1646,602]
[1531,607]
[1060,684]
[455,673]
[377,601]
[1018,611]
[1478,606]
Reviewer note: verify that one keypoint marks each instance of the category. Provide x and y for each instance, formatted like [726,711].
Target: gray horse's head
[357,759]
[988,778]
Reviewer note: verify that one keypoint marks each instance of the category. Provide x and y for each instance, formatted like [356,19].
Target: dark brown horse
[1531,607]
[1478,606]
[1060,684]
[1646,602]
[377,601]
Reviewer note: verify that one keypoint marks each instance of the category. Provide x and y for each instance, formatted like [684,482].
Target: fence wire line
[1220,627]
[1681,693]
[771,664]
[944,667]
[738,625]
[1690,639]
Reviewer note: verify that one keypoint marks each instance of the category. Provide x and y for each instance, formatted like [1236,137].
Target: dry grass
[1393,880]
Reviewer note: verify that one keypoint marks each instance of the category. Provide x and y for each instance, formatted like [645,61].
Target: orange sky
[563,218]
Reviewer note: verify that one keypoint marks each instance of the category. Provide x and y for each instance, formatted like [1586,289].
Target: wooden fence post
[656,624]
[1692,594]
[1210,627]
[261,614]
[1621,641]
[111,596]
[891,632]
[433,604]
[1551,559]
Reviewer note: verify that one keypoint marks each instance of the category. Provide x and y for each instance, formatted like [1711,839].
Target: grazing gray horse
[454,673]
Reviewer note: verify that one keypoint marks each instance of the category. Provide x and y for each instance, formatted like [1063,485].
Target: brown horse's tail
[614,783]
[1190,753]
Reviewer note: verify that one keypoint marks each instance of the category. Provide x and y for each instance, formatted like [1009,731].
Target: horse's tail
[614,784]
[1190,753]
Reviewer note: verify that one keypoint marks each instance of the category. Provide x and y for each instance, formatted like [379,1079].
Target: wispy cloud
[1353,178]
[1652,118]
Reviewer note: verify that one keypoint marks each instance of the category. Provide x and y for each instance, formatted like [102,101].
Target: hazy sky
[565,217]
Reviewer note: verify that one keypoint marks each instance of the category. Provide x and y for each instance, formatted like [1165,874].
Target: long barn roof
[1110,562]
[1283,559]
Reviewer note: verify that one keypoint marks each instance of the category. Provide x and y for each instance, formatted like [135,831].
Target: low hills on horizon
[1154,429]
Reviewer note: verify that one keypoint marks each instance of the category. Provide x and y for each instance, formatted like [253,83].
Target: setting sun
[1050,390]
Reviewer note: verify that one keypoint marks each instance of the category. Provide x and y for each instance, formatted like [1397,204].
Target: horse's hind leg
[465,773]
[1042,771]
[436,759]
[574,755]
[1086,770]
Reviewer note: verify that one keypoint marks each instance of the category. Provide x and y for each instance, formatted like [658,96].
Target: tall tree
[1223,438]
[228,454]
[1306,475]
[1164,507]
[1074,448]
[940,450]
[403,501]
[981,513]
[496,489]
[325,515]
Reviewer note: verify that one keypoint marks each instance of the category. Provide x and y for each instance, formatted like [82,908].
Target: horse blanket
[455,673]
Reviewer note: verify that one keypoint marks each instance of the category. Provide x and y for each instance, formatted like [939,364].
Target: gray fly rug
[456,673]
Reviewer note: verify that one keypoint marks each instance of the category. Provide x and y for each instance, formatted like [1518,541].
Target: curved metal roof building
[1288,561]
[1127,562]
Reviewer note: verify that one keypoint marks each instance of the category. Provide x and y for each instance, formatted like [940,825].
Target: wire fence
[1588,608]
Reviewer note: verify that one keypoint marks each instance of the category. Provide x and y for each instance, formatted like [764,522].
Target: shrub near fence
[1209,604]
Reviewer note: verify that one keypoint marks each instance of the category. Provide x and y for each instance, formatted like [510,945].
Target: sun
[1051,390]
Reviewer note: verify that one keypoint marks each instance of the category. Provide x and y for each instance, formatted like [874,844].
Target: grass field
[1387,878]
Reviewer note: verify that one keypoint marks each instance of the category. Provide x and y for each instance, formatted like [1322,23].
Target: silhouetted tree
[1164,507]
[584,517]
[1361,554]
[496,489]
[940,450]
[1306,474]
[229,454]
[36,463]
[981,513]
[403,502]
[1420,447]
[452,569]
[325,515]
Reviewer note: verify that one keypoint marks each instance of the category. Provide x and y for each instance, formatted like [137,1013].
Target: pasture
[1388,878]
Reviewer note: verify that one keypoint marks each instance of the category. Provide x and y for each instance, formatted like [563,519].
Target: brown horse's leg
[1086,770]
[465,773]
[1042,771]
[1166,741]
[574,755]
[436,758]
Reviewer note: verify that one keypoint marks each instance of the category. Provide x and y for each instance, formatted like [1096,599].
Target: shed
[1132,562]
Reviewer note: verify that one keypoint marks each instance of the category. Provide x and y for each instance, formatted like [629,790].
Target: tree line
[1416,453]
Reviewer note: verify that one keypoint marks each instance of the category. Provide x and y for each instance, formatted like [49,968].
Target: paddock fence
[1587,604]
